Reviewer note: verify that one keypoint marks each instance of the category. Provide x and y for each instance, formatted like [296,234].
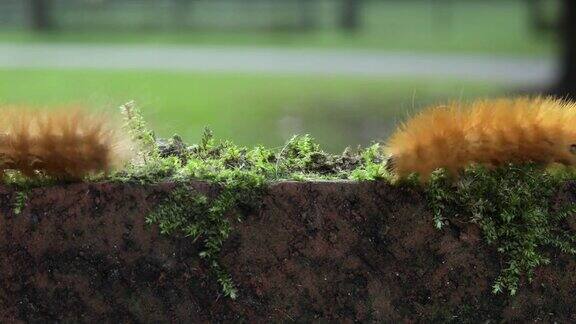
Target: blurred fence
[172,14]
[411,17]
[13,13]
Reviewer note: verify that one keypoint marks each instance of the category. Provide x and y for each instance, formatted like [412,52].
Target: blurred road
[509,70]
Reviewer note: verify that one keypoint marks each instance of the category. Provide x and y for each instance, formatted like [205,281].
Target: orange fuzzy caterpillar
[65,144]
[489,132]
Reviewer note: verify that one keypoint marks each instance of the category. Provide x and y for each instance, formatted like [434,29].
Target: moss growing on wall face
[513,207]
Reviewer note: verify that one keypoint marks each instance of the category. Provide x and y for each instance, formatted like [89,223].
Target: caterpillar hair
[487,132]
[64,144]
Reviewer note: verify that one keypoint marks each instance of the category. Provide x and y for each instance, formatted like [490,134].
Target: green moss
[23,185]
[138,130]
[373,166]
[513,207]
[240,173]
[190,214]
[20,202]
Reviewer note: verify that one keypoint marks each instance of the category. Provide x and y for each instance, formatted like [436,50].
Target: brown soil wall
[326,251]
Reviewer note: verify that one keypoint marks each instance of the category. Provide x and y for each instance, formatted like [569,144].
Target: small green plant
[20,202]
[513,207]
[148,166]
[23,185]
[141,135]
[185,212]
[373,166]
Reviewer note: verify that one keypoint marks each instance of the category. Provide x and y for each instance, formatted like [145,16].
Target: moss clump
[219,161]
[191,214]
[20,202]
[513,207]
[240,173]
[141,135]
[372,166]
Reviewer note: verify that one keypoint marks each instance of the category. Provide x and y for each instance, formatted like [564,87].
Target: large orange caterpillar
[488,132]
[65,144]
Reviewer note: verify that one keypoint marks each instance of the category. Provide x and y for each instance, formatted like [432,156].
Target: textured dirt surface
[327,251]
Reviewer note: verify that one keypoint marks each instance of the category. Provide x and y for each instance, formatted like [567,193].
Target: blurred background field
[267,107]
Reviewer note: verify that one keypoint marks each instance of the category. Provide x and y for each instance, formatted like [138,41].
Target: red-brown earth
[325,251]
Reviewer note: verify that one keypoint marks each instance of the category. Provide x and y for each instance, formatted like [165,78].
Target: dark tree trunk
[567,83]
[40,15]
[350,15]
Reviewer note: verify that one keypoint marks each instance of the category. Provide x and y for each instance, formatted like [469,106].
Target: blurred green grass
[246,108]
[495,27]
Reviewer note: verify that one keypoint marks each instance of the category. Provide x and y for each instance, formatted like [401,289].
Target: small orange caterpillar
[64,144]
[488,132]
